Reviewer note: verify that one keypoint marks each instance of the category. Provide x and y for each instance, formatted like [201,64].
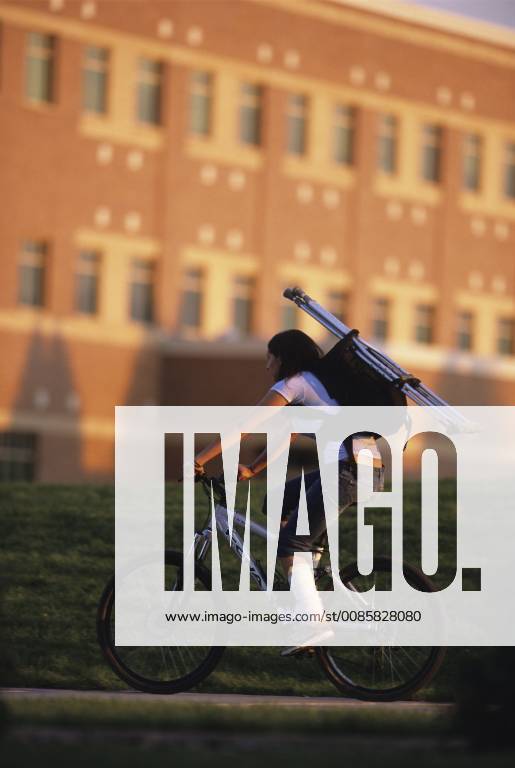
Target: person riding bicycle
[372,672]
[295,362]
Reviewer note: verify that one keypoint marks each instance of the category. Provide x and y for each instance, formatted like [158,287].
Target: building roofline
[444,21]
[410,23]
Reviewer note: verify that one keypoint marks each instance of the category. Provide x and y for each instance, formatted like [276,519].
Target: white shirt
[305,388]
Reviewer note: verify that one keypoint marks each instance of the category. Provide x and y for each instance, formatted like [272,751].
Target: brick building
[167,168]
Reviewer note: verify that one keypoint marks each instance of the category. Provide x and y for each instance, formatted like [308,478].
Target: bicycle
[372,673]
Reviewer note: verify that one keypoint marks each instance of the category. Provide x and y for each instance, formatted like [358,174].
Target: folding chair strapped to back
[412,387]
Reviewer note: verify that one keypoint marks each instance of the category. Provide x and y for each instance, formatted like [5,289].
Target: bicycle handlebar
[213,485]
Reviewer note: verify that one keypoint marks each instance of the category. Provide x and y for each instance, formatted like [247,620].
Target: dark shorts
[291,542]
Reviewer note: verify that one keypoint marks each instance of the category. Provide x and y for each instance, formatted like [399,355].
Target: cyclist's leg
[291,542]
[307,596]
[307,602]
[291,495]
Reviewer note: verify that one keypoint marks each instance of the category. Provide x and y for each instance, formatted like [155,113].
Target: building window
[509,176]
[191,308]
[32,273]
[243,304]
[337,304]
[381,319]
[88,273]
[387,144]
[251,97]
[297,124]
[40,67]
[94,79]
[506,336]
[142,291]
[150,76]
[201,99]
[17,457]
[424,323]
[344,129]
[472,148]
[464,331]
[431,152]
[289,316]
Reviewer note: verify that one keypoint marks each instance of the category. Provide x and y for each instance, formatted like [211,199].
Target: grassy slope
[57,553]
[213,753]
[173,714]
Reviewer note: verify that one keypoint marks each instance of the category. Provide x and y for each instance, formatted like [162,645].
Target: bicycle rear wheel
[157,669]
[381,673]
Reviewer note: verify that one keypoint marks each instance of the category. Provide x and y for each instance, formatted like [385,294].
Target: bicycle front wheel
[157,669]
[381,673]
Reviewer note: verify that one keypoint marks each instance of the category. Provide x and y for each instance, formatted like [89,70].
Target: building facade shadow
[42,440]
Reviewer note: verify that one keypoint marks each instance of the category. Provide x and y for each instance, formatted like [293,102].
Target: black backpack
[352,381]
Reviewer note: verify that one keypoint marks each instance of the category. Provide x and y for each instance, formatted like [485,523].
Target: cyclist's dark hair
[297,352]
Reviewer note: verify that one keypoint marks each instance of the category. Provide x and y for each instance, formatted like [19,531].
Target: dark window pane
[149,91]
[149,109]
[39,80]
[506,336]
[201,103]
[250,114]
[17,456]
[338,304]
[472,162]
[87,282]
[464,331]
[142,292]
[343,147]
[94,93]
[94,80]
[380,319]
[200,115]
[242,315]
[424,324]
[243,305]
[509,175]
[249,126]
[40,67]
[142,305]
[296,124]
[31,285]
[31,273]
[289,316]
[387,146]
[297,136]
[431,152]
[191,310]
[87,294]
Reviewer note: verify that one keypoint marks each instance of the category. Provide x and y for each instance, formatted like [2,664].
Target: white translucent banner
[439,574]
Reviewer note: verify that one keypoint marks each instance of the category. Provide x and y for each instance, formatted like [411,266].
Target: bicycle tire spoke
[402,665]
[165,665]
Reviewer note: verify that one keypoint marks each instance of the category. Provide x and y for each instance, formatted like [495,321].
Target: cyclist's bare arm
[260,462]
[214,449]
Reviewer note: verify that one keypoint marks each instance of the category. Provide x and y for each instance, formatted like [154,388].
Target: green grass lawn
[176,715]
[57,553]
[129,732]
[213,752]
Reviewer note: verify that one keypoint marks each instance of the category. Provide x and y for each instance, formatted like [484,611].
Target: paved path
[221,699]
